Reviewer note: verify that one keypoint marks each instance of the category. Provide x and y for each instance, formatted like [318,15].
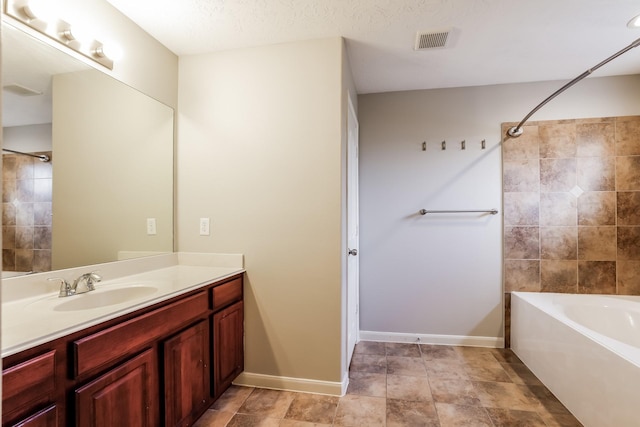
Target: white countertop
[29,318]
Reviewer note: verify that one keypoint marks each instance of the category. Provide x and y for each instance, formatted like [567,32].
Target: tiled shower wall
[26,213]
[572,207]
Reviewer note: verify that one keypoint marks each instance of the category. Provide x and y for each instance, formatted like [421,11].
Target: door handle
[353,252]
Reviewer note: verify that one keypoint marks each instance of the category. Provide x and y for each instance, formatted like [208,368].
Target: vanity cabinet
[186,374]
[147,368]
[228,346]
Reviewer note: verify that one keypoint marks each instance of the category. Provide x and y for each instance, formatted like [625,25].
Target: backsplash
[26,213]
[572,207]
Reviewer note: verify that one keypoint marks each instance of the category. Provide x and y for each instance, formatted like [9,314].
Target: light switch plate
[204,226]
[151,226]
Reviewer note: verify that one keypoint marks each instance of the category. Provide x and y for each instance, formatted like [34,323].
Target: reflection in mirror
[107,193]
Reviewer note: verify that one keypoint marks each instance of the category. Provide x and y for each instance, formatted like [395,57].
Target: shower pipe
[42,157]
[516,131]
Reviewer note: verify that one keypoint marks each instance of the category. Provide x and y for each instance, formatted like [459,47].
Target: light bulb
[39,9]
[77,33]
[634,23]
[109,50]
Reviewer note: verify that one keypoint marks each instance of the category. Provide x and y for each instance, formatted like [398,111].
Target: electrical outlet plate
[204,226]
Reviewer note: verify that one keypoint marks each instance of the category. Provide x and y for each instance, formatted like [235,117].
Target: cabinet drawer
[227,293]
[31,382]
[118,341]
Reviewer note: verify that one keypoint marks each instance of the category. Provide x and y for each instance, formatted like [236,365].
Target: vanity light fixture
[30,13]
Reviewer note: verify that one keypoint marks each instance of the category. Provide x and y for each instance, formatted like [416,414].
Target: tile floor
[407,385]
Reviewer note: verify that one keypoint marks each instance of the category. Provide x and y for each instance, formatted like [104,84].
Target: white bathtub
[585,349]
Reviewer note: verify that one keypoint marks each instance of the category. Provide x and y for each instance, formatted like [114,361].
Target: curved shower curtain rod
[516,131]
[42,157]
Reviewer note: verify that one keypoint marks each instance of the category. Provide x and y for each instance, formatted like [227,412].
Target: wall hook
[444,145]
[424,146]
[483,144]
[463,145]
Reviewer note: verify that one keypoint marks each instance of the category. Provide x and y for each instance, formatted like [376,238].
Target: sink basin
[95,299]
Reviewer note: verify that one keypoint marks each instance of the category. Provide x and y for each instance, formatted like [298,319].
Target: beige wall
[112,169]
[259,152]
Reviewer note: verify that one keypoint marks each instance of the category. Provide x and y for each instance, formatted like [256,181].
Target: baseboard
[293,384]
[470,341]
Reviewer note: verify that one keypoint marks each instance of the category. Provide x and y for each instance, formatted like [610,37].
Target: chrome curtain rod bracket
[491,211]
[516,131]
[42,157]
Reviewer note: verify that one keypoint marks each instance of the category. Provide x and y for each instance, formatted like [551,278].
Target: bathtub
[585,349]
[10,274]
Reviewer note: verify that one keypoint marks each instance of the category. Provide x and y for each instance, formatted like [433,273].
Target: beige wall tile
[521,208]
[557,140]
[521,175]
[597,243]
[597,208]
[521,243]
[557,174]
[597,277]
[597,173]
[595,139]
[629,243]
[559,243]
[628,277]
[558,209]
[628,173]
[524,147]
[628,136]
[628,207]
[558,276]
[522,275]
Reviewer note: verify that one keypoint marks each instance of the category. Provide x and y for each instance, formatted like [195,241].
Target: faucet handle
[92,278]
[65,287]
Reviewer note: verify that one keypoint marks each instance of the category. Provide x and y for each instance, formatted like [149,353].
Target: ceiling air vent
[431,39]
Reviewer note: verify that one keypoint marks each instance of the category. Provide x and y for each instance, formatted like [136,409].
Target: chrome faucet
[84,283]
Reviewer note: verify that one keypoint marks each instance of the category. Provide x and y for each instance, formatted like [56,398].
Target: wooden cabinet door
[186,373]
[125,396]
[48,417]
[228,346]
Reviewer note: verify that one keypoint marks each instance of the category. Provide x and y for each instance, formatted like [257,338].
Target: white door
[353,264]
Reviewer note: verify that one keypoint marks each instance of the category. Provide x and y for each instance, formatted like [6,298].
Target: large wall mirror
[107,191]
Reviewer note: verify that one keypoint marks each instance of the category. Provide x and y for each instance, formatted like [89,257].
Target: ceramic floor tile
[462,416]
[408,388]
[213,418]
[559,420]
[397,365]
[438,352]
[367,384]
[520,374]
[411,413]
[313,408]
[358,411]
[505,355]
[402,349]
[370,347]
[267,403]
[294,423]
[547,400]
[511,418]
[232,399]
[506,396]
[488,373]
[371,363]
[457,392]
[446,369]
[244,420]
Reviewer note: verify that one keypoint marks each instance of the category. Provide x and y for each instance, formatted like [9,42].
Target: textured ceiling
[494,41]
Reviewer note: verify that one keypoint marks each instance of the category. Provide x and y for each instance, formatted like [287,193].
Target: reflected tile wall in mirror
[26,213]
